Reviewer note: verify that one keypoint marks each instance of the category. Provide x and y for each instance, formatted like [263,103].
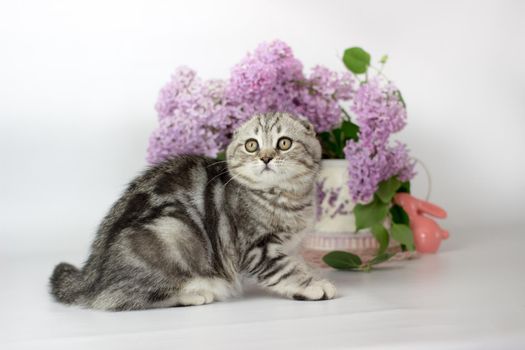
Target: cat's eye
[284,143]
[251,145]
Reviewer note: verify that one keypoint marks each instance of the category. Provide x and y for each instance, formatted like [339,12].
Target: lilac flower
[271,79]
[335,85]
[319,102]
[401,164]
[261,76]
[364,170]
[169,99]
[379,111]
[192,119]
[372,159]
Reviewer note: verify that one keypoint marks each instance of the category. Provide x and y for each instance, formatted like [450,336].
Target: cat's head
[274,150]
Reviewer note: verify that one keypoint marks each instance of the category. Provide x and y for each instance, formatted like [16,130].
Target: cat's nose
[266,160]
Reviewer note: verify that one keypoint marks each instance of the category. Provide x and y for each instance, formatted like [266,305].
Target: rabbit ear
[432,209]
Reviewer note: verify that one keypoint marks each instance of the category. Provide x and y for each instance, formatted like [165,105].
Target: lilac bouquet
[197,116]
[354,111]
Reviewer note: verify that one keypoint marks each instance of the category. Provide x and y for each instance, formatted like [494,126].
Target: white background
[79,79]
[78,82]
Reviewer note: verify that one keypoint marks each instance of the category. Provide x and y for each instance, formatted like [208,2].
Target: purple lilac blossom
[271,79]
[191,117]
[379,111]
[372,159]
[197,116]
[320,100]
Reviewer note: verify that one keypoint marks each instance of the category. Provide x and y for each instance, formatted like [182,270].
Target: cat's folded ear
[310,130]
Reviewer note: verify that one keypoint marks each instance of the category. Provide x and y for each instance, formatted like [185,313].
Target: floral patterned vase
[334,227]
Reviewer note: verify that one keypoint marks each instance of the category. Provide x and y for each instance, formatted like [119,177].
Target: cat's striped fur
[188,229]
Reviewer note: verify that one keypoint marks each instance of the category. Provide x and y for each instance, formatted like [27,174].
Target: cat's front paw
[200,298]
[317,290]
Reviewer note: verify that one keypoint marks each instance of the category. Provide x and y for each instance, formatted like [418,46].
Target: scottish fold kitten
[187,230]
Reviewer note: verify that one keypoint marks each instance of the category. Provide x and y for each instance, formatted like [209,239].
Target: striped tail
[66,283]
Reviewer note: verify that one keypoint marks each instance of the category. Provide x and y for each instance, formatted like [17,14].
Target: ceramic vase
[334,227]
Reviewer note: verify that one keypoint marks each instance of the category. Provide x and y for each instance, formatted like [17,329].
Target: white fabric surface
[468,296]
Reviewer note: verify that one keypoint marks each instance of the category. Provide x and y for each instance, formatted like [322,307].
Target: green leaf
[325,136]
[333,142]
[383,59]
[330,149]
[342,260]
[221,156]
[403,234]
[401,99]
[399,215]
[381,235]
[368,215]
[405,187]
[380,258]
[387,189]
[337,136]
[356,60]
[350,131]
[365,268]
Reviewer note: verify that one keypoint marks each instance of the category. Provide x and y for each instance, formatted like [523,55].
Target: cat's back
[182,182]
[184,173]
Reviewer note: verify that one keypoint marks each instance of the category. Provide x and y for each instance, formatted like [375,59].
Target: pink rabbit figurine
[427,233]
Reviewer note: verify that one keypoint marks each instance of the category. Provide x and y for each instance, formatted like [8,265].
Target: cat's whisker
[217,162]
[216,176]
[309,171]
[233,177]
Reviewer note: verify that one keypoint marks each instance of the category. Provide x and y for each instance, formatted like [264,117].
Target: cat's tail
[66,283]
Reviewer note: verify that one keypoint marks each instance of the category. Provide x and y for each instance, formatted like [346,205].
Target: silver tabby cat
[187,230]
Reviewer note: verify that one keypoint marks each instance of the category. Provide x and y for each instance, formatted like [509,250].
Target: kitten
[185,231]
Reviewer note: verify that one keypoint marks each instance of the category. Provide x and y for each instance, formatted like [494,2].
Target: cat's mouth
[267,169]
